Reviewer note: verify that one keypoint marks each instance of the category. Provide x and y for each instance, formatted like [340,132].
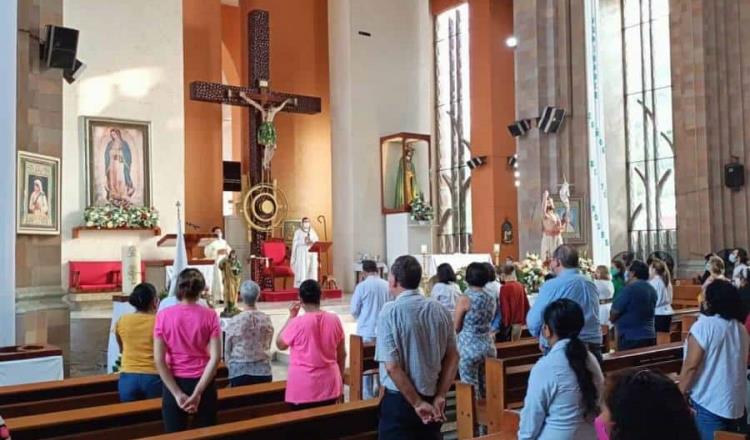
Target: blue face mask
[626,275]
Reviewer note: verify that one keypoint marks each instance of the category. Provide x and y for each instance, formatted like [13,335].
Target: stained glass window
[453,129]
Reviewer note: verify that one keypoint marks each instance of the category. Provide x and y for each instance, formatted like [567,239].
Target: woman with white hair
[248,341]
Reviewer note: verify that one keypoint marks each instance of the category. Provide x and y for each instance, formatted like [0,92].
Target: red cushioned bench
[97,276]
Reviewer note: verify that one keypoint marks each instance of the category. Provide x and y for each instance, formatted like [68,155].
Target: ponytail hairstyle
[190,284]
[564,318]
[142,297]
[662,271]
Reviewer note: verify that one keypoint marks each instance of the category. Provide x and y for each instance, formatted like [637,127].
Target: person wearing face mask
[217,250]
[304,262]
[738,258]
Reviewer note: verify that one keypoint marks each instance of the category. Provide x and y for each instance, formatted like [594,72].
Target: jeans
[139,386]
[175,419]
[308,405]
[370,382]
[399,421]
[629,344]
[248,380]
[708,422]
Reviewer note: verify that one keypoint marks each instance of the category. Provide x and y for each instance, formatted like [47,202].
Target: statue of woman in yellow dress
[407,188]
[231,270]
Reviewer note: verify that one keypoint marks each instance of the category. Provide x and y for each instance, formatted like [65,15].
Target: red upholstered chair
[278,261]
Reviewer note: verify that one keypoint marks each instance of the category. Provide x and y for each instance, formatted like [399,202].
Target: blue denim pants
[708,423]
[139,386]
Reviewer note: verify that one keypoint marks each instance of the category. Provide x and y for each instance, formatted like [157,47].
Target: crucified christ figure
[266,131]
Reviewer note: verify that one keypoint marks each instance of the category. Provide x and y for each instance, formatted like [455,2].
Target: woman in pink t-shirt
[186,351]
[316,344]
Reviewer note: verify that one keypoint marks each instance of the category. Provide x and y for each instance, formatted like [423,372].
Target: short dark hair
[491,271]
[509,269]
[639,269]
[477,275]
[567,256]
[647,405]
[142,297]
[369,266]
[723,299]
[445,274]
[309,292]
[215,228]
[407,272]
[190,284]
[627,258]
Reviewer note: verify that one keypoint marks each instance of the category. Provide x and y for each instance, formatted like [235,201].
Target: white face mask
[219,235]
[305,226]
[732,258]
[626,275]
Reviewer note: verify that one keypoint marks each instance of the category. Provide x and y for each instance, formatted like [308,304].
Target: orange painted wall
[438,6]
[231,65]
[299,64]
[494,195]
[202,61]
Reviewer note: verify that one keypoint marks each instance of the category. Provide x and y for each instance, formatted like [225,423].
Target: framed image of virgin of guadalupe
[37,194]
[118,161]
[405,163]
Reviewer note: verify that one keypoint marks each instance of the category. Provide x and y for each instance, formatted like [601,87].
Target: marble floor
[89,333]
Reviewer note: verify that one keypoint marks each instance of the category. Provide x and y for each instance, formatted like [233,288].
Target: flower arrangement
[531,272]
[421,211]
[120,216]
[461,279]
[587,267]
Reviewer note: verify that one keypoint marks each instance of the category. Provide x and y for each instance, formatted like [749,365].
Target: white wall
[133,50]
[380,85]
[8,60]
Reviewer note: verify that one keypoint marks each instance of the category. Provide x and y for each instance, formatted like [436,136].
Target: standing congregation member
[644,405]
[633,311]
[474,312]
[416,348]
[618,278]
[661,280]
[739,259]
[715,268]
[562,398]
[493,285]
[714,370]
[446,291]
[568,283]
[248,338]
[369,298]
[316,352]
[187,348]
[606,290]
[139,379]
[514,305]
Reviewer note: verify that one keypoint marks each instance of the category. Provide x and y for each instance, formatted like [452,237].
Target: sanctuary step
[293,294]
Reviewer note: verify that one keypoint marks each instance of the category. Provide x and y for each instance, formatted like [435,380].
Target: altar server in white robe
[217,250]
[304,262]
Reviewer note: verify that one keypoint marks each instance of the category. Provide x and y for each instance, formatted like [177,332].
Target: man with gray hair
[248,341]
[568,283]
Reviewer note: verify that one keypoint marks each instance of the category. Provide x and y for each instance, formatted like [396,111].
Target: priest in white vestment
[304,262]
[217,250]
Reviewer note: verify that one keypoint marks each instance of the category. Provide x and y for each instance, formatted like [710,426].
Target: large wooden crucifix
[258,76]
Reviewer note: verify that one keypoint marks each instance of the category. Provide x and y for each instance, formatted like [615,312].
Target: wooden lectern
[321,248]
[192,241]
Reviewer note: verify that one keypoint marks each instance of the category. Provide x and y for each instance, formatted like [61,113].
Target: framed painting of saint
[118,161]
[574,231]
[38,194]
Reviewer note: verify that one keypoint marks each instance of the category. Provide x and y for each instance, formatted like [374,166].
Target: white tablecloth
[206,269]
[457,261]
[42,369]
[113,350]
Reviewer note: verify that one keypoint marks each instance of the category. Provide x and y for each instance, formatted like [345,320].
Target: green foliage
[420,210]
[114,216]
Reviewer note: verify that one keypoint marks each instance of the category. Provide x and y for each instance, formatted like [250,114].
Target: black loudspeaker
[734,176]
[232,176]
[476,162]
[519,128]
[60,47]
[73,74]
[551,119]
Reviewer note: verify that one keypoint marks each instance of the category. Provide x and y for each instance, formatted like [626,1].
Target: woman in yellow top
[138,376]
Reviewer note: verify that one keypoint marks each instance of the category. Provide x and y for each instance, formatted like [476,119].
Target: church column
[8,49]
[711,111]
[494,195]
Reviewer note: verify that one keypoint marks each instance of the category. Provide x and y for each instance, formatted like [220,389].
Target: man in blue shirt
[568,283]
[369,298]
[633,310]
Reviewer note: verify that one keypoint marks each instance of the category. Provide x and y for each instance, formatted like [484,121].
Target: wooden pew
[723,435]
[361,362]
[507,380]
[351,421]
[685,296]
[68,394]
[682,320]
[137,419]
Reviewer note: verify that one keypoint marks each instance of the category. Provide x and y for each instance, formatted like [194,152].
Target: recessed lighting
[511,41]
[517,174]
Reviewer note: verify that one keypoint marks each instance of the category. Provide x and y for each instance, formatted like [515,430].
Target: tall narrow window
[650,140]
[453,129]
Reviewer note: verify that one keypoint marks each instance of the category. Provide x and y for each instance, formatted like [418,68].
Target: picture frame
[37,194]
[288,229]
[577,230]
[118,161]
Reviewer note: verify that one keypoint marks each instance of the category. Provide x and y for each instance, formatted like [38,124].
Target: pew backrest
[361,362]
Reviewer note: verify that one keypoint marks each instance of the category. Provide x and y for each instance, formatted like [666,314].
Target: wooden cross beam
[225,94]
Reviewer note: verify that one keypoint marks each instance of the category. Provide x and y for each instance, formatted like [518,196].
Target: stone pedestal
[405,237]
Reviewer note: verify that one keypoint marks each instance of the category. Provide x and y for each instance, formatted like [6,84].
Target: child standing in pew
[134,332]
[186,350]
[563,392]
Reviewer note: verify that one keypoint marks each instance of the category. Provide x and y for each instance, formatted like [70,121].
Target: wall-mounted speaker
[60,47]
[476,162]
[551,119]
[734,176]
[519,128]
